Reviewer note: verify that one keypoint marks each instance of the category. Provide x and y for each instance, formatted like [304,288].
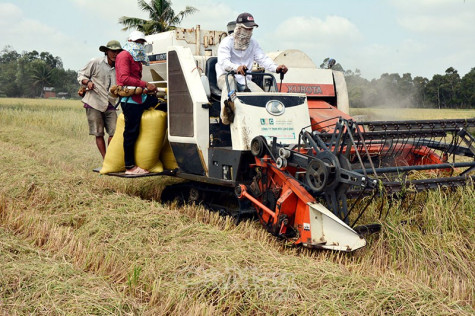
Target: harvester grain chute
[293,157]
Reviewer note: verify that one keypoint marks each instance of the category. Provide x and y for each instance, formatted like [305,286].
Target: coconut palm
[42,75]
[162,17]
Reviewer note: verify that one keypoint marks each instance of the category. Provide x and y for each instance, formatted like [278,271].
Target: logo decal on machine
[275,107]
[303,88]
[310,89]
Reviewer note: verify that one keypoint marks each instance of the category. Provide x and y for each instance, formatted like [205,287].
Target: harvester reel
[317,175]
[344,164]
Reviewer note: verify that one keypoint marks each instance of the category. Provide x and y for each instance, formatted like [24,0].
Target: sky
[421,37]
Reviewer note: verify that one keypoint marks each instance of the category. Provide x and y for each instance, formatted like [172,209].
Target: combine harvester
[293,156]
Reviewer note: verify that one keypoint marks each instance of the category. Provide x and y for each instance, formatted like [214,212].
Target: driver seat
[211,74]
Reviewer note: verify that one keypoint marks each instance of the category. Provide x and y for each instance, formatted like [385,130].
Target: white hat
[136,35]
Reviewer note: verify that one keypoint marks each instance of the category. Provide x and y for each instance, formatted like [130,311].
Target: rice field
[75,242]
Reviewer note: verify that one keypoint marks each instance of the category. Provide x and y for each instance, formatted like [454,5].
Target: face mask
[242,37]
[137,51]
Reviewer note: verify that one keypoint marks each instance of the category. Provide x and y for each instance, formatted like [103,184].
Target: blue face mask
[137,51]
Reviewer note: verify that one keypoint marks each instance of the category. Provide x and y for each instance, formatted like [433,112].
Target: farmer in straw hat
[96,78]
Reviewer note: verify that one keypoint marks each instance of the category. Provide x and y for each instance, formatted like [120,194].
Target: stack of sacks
[166,155]
[149,144]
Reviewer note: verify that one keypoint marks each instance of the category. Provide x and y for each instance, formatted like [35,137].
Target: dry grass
[33,281]
[74,242]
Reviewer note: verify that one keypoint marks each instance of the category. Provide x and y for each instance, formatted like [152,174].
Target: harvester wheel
[194,194]
[284,153]
[333,166]
[258,147]
[281,162]
[317,175]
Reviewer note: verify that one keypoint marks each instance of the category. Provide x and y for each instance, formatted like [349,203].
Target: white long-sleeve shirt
[230,59]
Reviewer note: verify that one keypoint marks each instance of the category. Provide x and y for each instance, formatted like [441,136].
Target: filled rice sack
[166,155]
[147,148]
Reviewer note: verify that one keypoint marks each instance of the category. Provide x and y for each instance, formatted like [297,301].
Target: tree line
[442,91]
[26,74]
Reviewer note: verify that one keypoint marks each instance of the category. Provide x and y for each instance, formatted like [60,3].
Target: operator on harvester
[237,53]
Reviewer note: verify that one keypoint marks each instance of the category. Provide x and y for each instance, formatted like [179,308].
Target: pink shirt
[129,72]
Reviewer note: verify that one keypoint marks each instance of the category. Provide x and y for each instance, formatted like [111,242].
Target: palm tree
[162,17]
[42,75]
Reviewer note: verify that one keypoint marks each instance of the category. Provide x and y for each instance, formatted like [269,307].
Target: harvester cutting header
[293,156]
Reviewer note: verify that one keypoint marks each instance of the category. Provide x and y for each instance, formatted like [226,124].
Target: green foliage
[467,89]
[42,75]
[26,74]
[162,17]
[8,55]
[392,90]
